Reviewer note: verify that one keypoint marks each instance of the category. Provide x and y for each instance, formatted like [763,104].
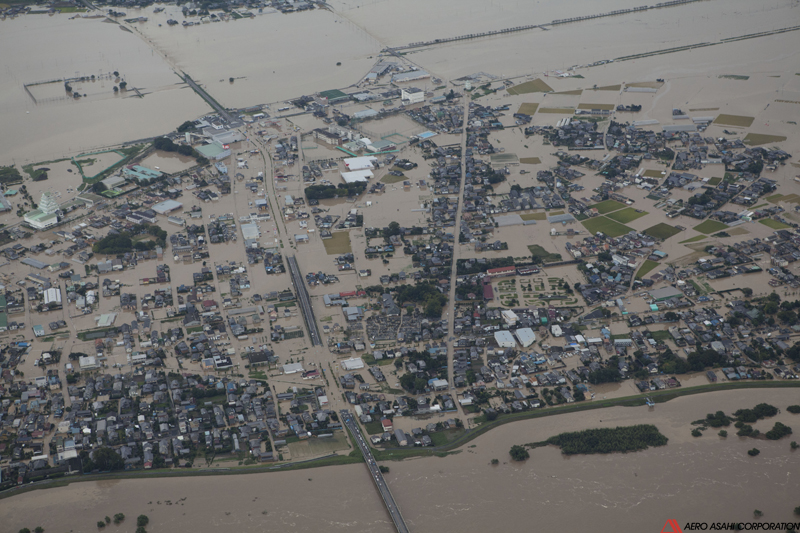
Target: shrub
[722,433]
[753,452]
[100,524]
[119,518]
[794,409]
[697,433]
[383,469]
[142,520]
[778,431]
[495,462]
[518,453]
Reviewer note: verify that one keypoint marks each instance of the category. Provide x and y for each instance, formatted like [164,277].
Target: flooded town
[475,262]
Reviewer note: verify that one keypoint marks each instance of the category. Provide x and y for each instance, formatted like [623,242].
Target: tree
[747,292]
[186,126]
[116,73]
[518,453]
[105,459]
[697,433]
[116,89]
[383,469]
[24,530]
[495,462]
[671,316]
[123,85]
[231,79]
[142,520]
[753,452]
[490,414]
[722,433]
[100,524]
[39,529]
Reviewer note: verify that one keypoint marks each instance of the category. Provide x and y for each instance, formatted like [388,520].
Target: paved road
[213,103]
[375,472]
[305,301]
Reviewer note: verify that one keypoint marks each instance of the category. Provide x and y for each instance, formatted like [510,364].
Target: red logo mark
[671,526]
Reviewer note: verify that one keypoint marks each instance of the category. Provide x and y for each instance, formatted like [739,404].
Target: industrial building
[356,176]
[360,163]
[504,339]
[412,95]
[167,206]
[354,363]
[509,317]
[526,336]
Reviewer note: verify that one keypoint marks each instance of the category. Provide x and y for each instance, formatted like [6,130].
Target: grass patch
[608,227]
[694,239]
[660,335]
[530,161]
[662,231]
[608,88]
[338,244]
[710,226]
[733,77]
[626,215]
[645,269]
[714,181]
[704,109]
[653,174]
[528,109]
[534,216]
[544,255]
[10,175]
[576,92]
[772,223]
[734,120]
[534,86]
[606,107]
[557,110]
[389,179]
[774,199]
[757,139]
[608,206]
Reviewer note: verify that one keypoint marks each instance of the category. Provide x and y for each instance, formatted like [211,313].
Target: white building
[556,330]
[504,339]
[354,363]
[293,368]
[46,215]
[52,296]
[412,95]
[526,336]
[357,176]
[510,317]
[360,163]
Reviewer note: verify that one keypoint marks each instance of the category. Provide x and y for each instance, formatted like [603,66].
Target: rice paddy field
[645,269]
[527,108]
[629,214]
[604,225]
[710,226]
[653,174]
[608,206]
[734,120]
[662,231]
[530,161]
[774,224]
[557,110]
[694,239]
[338,244]
[534,86]
[607,107]
[714,181]
[757,139]
[608,88]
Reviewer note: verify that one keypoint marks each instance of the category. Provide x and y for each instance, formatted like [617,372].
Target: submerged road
[375,471]
[305,301]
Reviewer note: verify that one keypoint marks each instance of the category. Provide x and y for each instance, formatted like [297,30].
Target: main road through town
[374,471]
[305,301]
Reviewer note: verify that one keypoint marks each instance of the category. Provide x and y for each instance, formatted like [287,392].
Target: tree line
[606,440]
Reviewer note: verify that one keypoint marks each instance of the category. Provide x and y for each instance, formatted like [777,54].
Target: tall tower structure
[48,204]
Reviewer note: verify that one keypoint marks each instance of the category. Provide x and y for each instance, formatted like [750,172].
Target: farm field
[734,120]
[645,269]
[608,206]
[710,226]
[534,86]
[662,231]
[608,227]
[626,215]
[338,244]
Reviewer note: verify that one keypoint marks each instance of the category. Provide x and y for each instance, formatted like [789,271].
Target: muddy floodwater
[689,479]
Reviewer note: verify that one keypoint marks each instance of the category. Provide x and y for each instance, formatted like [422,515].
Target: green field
[626,215]
[772,223]
[535,86]
[757,139]
[714,181]
[662,231]
[606,107]
[534,216]
[528,109]
[338,244]
[608,227]
[608,88]
[608,206]
[694,239]
[576,92]
[645,269]
[734,120]
[544,255]
[710,226]
[733,77]
[530,161]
